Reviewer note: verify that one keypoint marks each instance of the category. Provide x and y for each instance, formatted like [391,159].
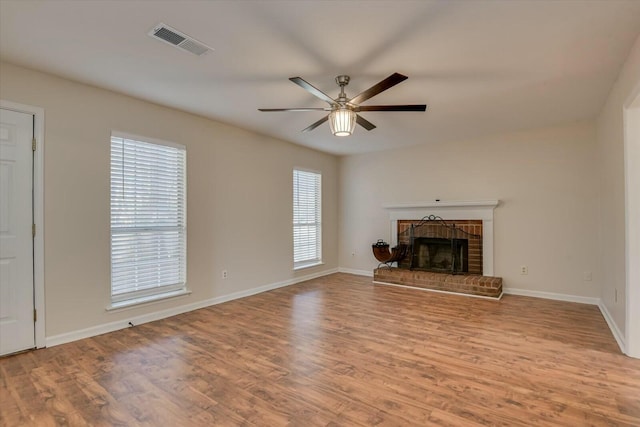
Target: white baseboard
[368,273]
[612,325]
[619,337]
[551,295]
[162,314]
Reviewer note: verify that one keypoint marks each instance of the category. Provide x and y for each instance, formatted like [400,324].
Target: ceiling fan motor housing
[342,80]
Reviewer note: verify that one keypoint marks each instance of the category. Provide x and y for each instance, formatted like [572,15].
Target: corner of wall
[619,336]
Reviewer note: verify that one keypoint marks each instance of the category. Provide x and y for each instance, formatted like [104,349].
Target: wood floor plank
[336,351]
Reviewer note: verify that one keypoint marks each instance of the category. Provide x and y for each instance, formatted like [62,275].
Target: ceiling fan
[343,112]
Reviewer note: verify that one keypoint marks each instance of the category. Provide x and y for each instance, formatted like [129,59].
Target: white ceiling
[482,67]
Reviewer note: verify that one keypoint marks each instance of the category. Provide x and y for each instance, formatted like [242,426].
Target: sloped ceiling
[482,67]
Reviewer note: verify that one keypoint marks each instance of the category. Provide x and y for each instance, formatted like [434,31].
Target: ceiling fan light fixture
[342,121]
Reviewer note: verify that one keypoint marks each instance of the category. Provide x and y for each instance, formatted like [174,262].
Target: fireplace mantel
[450,210]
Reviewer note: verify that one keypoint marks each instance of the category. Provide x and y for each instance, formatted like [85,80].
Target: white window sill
[310,265]
[121,305]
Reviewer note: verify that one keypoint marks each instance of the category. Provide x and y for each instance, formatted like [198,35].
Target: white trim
[305,266]
[619,337]
[552,295]
[452,210]
[38,219]
[140,138]
[367,273]
[303,169]
[303,278]
[150,317]
[498,298]
[631,114]
[454,203]
[147,300]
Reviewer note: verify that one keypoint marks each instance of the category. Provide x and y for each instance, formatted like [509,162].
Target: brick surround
[465,284]
[435,230]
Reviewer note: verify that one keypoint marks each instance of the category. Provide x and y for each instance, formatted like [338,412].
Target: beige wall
[239,198]
[610,137]
[546,181]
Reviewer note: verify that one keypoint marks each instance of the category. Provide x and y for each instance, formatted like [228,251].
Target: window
[307,230]
[148,219]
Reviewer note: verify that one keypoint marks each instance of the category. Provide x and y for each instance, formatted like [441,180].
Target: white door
[16,238]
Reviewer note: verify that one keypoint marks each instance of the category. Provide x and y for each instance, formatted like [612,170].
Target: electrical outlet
[587,277]
[225,274]
[615,295]
[524,270]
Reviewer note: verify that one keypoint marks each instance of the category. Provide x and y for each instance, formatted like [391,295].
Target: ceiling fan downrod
[342,81]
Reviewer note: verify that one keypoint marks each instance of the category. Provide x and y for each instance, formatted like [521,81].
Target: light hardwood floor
[336,351]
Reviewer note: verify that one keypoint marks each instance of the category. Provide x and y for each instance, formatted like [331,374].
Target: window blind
[307,230]
[148,218]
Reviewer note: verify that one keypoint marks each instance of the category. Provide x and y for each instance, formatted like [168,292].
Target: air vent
[176,38]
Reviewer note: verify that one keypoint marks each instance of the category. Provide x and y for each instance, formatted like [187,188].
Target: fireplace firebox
[439,246]
[440,255]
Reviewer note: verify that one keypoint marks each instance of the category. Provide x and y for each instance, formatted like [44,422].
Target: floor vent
[180,40]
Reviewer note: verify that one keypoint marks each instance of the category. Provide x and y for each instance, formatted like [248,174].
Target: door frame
[38,215]
[631,113]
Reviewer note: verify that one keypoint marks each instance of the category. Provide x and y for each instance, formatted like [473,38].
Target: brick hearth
[465,284]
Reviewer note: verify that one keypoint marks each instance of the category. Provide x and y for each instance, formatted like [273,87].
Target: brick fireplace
[432,235]
[429,265]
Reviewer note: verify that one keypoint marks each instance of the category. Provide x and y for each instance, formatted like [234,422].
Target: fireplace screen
[438,246]
[442,255]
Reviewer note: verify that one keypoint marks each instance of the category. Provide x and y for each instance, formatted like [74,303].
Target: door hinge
[33,230]
[35,315]
[33,144]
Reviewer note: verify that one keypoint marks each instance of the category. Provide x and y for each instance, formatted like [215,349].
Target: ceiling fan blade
[316,124]
[364,123]
[269,110]
[385,84]
[312,90]
[420,107]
